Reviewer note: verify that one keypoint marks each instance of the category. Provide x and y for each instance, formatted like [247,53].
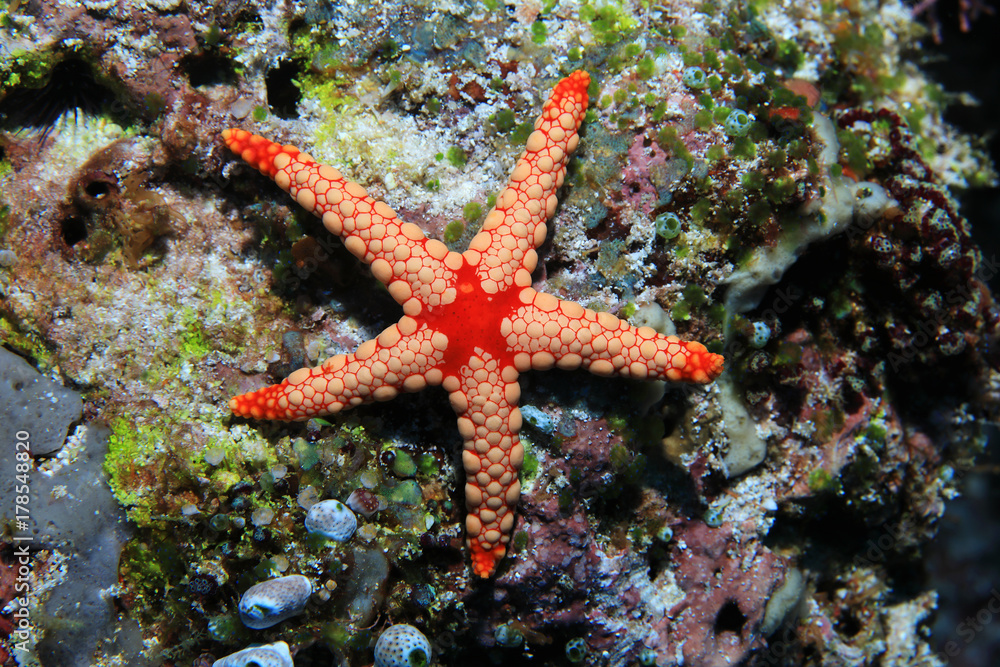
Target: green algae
[27,342]
[821,481]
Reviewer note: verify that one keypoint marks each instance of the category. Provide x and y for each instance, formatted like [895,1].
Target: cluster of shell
[272,601]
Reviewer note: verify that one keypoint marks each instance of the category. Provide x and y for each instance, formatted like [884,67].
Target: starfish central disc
[471,321]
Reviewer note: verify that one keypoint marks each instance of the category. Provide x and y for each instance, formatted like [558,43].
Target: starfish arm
[401,358]
[504,251]
[485,395]
[417,271]
[547,331]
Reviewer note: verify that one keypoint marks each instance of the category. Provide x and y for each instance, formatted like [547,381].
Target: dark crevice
[283,96]
[207,69]
[730,619]
[73,230]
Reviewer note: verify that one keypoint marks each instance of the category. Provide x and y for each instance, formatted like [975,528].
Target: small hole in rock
[729,619]
[73,230]
[98,189]
[283,95]
[209,70]
[849,625]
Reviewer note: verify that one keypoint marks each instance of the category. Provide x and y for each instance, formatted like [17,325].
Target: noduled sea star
[472,322]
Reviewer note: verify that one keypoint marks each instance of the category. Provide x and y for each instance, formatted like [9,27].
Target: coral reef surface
[772,178]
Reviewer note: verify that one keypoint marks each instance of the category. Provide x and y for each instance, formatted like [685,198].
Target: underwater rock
[402,645]
[73,517]
[271,602]
[265,655]
[331,519]
[33,403]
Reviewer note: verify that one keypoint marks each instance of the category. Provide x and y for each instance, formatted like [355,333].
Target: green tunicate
[694,77]
[667,225]
[508,636]
[713,516]
[761,334]
[737,123]
[576,650]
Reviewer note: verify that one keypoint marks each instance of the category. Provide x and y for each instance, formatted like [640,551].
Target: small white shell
[274,600]
[331,519]
[402,646]
[264,655]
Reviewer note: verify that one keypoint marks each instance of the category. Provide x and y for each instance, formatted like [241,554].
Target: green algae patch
[131,469]
[194,342]
[26,342]
[820,481]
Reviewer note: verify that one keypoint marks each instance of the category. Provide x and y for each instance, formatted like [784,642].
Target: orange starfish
[472,322]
